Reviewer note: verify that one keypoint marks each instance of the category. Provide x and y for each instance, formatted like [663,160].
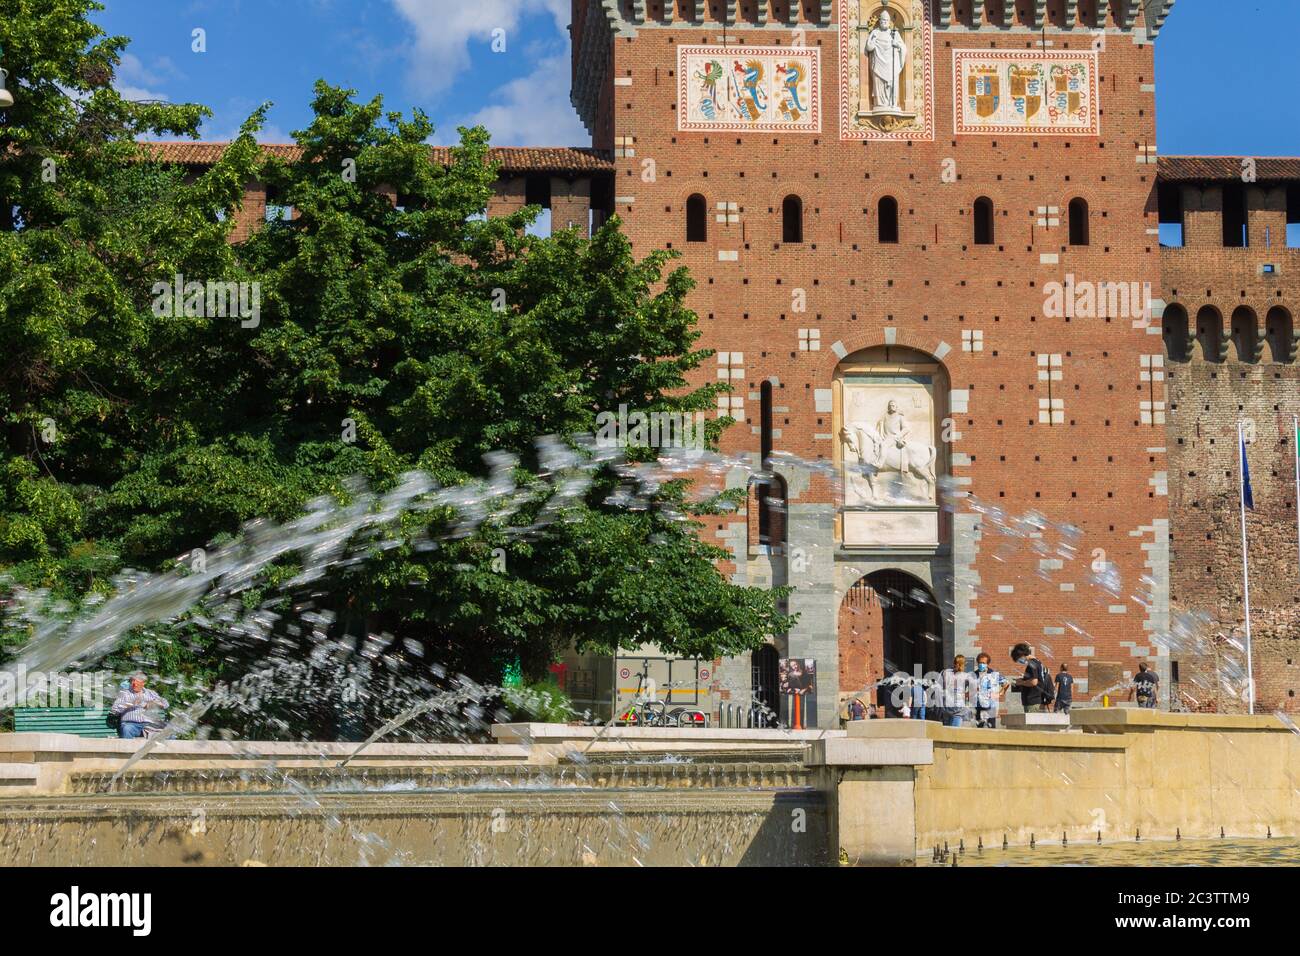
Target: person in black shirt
[1145,684]
[1064,690]
[1031,697]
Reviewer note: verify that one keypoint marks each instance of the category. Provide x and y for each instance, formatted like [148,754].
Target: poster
[797,678]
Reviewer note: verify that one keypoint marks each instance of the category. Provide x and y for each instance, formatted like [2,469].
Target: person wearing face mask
[990,686]
[1035,688]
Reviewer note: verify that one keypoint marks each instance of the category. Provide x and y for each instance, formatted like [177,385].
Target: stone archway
[889,621]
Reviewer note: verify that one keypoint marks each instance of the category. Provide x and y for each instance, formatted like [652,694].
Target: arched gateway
[889,621]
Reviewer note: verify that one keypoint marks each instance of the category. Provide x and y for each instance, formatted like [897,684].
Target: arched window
[1209,334]
[697,219]
[1078,222]
[1174,327]
[765,688]
[1245,335]
[984,221]
[887,214]
[1281,334]
[792,219]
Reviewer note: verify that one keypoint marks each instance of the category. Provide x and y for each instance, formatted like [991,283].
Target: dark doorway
[1078,222]
[792,219]
[984,221]
[889,623]
[887,219]
[765,685]
[697,219]
[913,628]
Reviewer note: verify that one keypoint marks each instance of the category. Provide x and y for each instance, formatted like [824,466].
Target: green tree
[416,334]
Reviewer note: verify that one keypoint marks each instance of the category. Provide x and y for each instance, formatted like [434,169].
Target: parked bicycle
[646,710]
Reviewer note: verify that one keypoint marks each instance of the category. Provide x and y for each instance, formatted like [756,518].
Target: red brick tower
[920,243]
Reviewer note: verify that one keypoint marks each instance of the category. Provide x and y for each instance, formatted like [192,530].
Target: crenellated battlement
[1143,17]
[1230,259]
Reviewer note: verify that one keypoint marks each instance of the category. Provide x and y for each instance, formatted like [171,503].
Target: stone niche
[889,454]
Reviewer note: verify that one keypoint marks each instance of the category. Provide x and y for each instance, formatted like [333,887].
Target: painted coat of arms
[749,88]
[984,87]
[1014,93]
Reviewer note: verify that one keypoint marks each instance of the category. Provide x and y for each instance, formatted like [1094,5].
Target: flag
[1247,495]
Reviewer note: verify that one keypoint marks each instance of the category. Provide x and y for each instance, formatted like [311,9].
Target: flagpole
[1245,565]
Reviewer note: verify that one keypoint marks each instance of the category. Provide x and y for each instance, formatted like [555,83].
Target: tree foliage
[415,334]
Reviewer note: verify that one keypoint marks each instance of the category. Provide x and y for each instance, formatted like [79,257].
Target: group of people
[962,698]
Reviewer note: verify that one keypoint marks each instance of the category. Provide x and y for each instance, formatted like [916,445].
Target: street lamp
[6,98]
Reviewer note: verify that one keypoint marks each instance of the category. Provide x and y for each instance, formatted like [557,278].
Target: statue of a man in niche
[888,55]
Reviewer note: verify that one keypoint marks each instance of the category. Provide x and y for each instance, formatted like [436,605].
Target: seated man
[138,710]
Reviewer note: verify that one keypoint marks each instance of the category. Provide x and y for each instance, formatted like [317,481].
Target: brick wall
[1205,285]
[1102,467]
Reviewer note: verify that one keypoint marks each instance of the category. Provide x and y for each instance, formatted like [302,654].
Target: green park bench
[82,721]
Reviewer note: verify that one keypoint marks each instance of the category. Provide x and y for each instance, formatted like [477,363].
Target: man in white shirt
[990,688]
[138,710]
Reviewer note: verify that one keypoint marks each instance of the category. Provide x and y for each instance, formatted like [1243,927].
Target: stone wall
[899,787]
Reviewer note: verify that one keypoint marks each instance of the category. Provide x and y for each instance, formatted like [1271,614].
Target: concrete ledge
[53,759]
[887,729]
[980,737]
[41,746]
[17,774]
[56,760]
[865,752]
[551,733]
[1047,722]
[1113,720]
[551,743]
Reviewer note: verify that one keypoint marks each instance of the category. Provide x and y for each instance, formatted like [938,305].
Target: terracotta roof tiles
[1214,168]
[513,159]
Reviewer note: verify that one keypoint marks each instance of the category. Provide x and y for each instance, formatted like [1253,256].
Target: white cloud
[532,110]
[134,81]
[270,133]
[444,30]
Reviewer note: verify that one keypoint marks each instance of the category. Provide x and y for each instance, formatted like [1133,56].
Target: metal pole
[1245,564]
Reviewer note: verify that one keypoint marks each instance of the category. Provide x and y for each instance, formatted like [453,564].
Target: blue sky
[1224,83]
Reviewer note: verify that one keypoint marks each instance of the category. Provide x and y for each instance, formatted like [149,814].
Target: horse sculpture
[869,455]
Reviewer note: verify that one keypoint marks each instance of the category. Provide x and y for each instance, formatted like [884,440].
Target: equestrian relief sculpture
[873,453]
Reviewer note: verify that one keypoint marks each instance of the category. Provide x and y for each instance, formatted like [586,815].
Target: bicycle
[654,712]
[643,712]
